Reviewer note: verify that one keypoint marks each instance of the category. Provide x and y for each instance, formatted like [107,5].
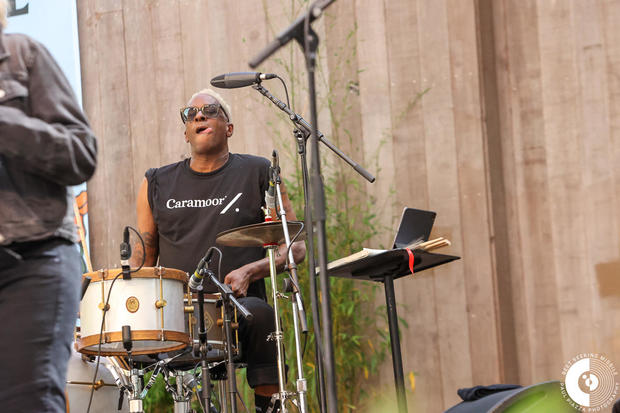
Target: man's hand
[239,281]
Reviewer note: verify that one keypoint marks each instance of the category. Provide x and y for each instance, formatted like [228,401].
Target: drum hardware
[269,235]
[299,316]
[230,303]
[204,350]
[161,303]
[98,384]
[135,393]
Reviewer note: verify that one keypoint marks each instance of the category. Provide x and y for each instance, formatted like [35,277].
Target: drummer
[181,208]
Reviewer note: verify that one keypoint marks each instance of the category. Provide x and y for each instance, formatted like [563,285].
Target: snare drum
[151,303]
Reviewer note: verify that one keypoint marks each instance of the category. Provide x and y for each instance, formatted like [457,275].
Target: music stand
[386,267]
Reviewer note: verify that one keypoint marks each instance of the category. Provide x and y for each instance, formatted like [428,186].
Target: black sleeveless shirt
[190,208]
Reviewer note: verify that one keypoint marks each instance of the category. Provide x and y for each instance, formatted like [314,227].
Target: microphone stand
[302,131]
[229,301]
[204,350]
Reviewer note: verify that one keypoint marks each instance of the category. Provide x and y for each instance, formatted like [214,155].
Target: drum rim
[182,338]
[145,272]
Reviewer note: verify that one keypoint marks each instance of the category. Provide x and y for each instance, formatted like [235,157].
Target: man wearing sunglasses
[182,207]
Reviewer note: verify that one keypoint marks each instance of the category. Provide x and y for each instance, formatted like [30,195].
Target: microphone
[240,79]
[270,194]
[125,254]
[195,282]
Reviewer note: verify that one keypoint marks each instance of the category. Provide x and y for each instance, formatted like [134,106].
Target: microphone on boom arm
[240,79]
[195,282]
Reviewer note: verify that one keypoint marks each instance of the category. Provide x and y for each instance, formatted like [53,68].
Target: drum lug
[189,309]
[103,306]
[160,303]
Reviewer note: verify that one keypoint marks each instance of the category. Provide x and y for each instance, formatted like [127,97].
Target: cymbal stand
[277,335]
[299,316]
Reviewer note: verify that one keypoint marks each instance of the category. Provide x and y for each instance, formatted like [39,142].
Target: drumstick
[80,224]
[434,244]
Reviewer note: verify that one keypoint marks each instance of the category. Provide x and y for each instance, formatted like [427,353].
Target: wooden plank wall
[501,115]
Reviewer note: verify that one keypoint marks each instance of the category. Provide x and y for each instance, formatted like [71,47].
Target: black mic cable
[105,310]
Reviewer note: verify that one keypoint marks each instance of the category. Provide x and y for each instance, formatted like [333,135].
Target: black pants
[38,309]
[259,354]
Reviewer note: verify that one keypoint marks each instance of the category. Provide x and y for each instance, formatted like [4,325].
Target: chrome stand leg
[277,335]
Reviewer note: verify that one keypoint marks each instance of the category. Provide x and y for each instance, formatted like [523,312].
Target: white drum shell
[105,398]
[147,318]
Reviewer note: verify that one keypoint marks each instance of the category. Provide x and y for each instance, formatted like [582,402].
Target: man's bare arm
[147,229]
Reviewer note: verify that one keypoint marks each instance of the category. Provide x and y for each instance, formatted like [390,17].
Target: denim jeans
[38,309]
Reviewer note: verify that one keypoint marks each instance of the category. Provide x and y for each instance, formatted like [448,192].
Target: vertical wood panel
[608,328]
[169,85]
[442,181]
[115,155]
[532,192]
[474,216]
[141,80]
[91,90]
[564,176]
[490,76]
[420,342]
[375,105]
[510,173]
[375,109]
[340,45]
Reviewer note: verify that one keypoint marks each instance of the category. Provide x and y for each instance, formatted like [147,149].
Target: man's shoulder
[20,38]
[22,46]
[251,160]
[164,170]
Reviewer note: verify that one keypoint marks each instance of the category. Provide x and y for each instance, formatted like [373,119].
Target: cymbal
[257,235]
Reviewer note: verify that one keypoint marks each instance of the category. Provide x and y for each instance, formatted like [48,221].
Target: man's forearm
[260,269]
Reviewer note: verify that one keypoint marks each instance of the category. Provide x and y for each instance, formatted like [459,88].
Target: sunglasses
[210,110]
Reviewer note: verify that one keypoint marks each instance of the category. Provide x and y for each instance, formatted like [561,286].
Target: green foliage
[157,399]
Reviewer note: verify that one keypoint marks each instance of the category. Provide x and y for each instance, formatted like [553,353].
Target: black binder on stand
[389,265]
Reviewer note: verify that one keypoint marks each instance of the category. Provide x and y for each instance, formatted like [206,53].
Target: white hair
[3,12]
[225,106]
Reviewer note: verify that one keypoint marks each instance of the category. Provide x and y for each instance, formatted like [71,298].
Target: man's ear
[185,134]
[229,130]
